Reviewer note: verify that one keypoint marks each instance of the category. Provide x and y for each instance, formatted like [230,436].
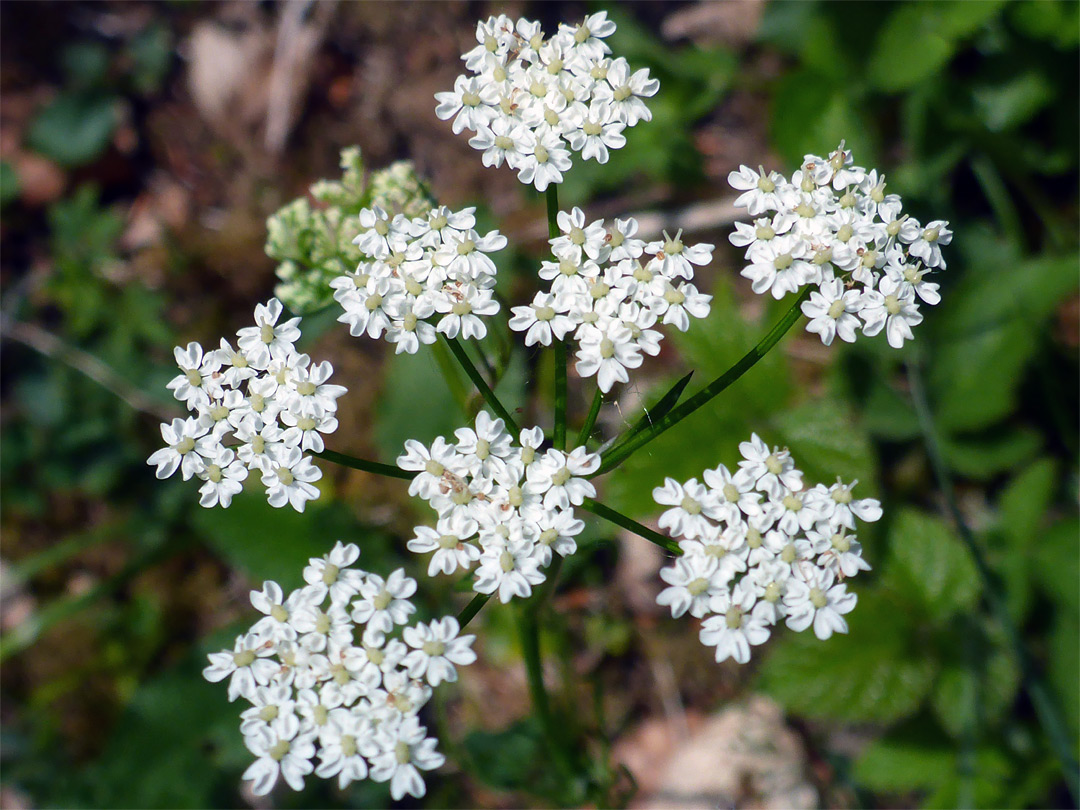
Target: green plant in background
[980,127]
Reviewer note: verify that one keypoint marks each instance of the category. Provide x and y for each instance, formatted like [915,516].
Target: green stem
[529,633]
[453,379]
[590,420]
[623,451]
[552,196]
[560,395]
[363,464]
[1041,700]
[481,384]
[619,519]
[468,613]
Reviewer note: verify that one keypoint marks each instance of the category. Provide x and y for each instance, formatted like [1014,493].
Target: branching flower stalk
[335,671]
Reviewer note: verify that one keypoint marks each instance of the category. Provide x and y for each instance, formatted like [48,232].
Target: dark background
[142,147]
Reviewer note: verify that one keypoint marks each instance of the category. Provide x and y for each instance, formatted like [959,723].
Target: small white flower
[814,599]
[437,648]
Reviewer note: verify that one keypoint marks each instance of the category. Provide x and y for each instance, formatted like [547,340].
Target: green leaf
[151,52]
[1054,20]
[1014,102]
[920,38]
[513,759]
[662,407]
[9,183]
[1063,667]
[268,543]
[1025,500]
[887,414]
[811,116]
[415,404]
[899,765]
[984,456]
[978,680]
[1056,557]
[826,440]
[878,673]
[930,564]
[75,129]
[910,48]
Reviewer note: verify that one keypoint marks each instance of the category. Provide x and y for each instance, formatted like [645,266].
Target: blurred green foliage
[971,110]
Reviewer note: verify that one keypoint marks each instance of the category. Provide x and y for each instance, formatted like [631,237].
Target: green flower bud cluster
[313,242]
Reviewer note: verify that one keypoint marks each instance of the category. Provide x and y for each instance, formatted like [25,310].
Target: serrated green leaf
[826,440]
[930,564]
[877,673]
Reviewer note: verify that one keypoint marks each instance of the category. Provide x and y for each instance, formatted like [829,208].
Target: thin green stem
[623,451]
[529,633]
[560,395]
[468,613]
[480,383]
[1042,701]
[450,374]
[619,519]
[552,196]
[590,420]
[376,467]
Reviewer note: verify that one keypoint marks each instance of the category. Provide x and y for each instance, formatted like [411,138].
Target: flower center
[461,308]
[544,313]
[599,290]
[466,247]
[506,562]
[674,297]
[185,445]
[591,128]
[434,648]
[244,658]
[845,233]
[373,302]
[765,232]
[690,506]
[733,618]
[577,236]
[541,153]
[806,211]
[213,473]
[696,587]
[258,445]
[278,751]
[402,752]
[279,614]
[789,554]
[551,117]
[194,377]
[483,449]
[432,467]
[268,713]
[842,495]
[931,234]
[783,261]
[267,333]
[607,348]
[322,624]
[568,268]
[381,228]
[306,388]
[560,477]
[382,600]
[836,308]
[448,541]
[818,598]
[753,538]
[772,592]
[348,745]
[548,536]
[773,464]
[219,412]
[285,476]
[319,714]
[766,185]
[622,93]
[841,543]
[330,574]
[504,143]
[792,503]
[892,304]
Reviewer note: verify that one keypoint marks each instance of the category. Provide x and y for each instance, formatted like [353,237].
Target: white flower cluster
[608,289]
[508,506]
[530,99]
[266,400]
[422,270]
[833,225]
[315,692]
[759,548]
